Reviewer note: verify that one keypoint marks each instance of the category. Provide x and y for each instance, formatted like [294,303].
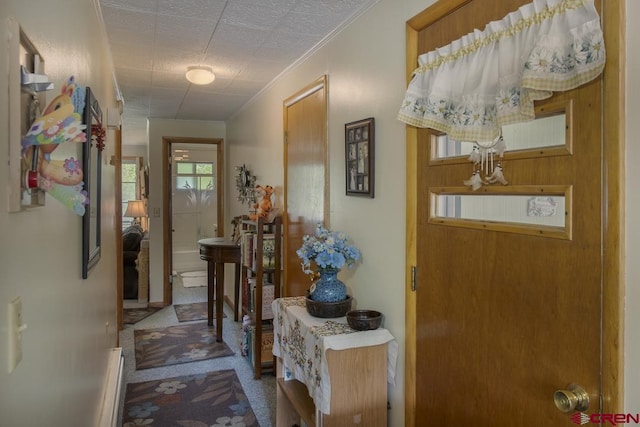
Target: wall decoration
[359,152]
[245,184]
[26,97]
[60,123]
[92,165]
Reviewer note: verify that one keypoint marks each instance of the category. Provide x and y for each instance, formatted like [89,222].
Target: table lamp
[135,210]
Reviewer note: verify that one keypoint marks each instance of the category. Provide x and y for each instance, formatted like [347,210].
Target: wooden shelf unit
[294,404]
[258,271]
[358,379]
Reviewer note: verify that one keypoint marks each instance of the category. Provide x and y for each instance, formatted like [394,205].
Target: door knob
[573,398]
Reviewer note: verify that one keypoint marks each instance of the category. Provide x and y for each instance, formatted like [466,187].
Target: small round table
[217,251]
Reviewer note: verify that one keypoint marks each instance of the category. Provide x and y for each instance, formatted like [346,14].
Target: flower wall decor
[327,249]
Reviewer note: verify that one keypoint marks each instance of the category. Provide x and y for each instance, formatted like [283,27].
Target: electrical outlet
[16,327]
[156,212]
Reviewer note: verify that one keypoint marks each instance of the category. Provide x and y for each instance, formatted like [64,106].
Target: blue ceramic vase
[328,288]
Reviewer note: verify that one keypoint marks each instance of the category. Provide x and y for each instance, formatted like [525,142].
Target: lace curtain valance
[487,79]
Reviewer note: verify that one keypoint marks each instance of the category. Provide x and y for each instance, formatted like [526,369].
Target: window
[542,210]
[129,187]
[192,176]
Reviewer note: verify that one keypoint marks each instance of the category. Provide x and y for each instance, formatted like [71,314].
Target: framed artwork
[359,152]
[92,167]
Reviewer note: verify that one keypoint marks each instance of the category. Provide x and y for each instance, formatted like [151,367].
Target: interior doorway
[193,203]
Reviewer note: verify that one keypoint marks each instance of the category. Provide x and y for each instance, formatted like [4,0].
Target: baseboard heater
[112,388]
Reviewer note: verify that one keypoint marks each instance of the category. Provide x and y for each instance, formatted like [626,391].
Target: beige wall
[71,323]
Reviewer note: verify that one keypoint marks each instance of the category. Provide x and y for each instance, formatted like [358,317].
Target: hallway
[261,393]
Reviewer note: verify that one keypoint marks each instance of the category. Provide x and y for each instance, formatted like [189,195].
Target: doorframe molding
[167,141]
[612,387]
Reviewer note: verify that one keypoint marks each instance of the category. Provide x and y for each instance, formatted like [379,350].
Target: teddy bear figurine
[265,206]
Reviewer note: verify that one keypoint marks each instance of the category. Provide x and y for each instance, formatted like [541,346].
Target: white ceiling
[248,43]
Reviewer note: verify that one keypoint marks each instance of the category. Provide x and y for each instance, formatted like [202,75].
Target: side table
[329,374]
[217,251]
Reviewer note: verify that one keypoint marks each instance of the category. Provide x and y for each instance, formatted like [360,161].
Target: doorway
[492,309]
[193,204]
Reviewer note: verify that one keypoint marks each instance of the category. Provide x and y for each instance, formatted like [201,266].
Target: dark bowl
[364,320]
[328,310]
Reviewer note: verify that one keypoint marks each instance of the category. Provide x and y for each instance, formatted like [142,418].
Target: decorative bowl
[364,320]
[328,310]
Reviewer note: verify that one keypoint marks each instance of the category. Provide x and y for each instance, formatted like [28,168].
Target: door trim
[116,161]
[612,388]
[167,298]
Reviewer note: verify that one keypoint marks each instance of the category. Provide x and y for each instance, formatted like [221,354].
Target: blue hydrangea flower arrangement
[327,249]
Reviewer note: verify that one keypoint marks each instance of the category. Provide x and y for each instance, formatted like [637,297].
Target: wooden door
[501,316]
[305,184]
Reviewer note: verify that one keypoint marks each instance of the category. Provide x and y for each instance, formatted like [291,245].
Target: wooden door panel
[305,177]
[503,320]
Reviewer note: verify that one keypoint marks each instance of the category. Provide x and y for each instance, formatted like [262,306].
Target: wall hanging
[60,123]
[92,164]
[360,162]
[26,98]
[245,184]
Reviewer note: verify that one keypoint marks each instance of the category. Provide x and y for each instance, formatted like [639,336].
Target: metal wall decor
[246,185]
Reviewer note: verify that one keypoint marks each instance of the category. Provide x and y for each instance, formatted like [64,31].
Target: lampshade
[200,75]
[135,209]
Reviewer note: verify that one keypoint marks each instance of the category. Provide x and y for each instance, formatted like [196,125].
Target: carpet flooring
[260,392]
[210,399]
[177,344]
[193,311]
[131,316]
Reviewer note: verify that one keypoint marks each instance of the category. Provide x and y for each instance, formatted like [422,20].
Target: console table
[217,251]
[329,374]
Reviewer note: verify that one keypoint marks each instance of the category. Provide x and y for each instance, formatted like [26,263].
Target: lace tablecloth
[301,341]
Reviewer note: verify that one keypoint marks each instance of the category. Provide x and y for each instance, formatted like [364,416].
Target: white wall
[632,277]
[67,340]
[365,65]
[159,128]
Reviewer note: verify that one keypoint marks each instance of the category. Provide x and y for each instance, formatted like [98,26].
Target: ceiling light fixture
[200,75]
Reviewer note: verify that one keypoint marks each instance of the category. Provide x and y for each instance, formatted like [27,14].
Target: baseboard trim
[113,386]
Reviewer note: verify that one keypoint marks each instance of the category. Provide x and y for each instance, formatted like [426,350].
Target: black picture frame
[359,145]
[92,169]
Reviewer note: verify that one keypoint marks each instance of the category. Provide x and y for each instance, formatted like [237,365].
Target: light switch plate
[15,333]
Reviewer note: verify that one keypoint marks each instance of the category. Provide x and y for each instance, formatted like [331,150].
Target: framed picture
[359,153]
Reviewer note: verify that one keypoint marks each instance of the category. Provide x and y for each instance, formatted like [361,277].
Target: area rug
[203,400]
[134,315]
[193,311]
[194,279]
[177,344]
